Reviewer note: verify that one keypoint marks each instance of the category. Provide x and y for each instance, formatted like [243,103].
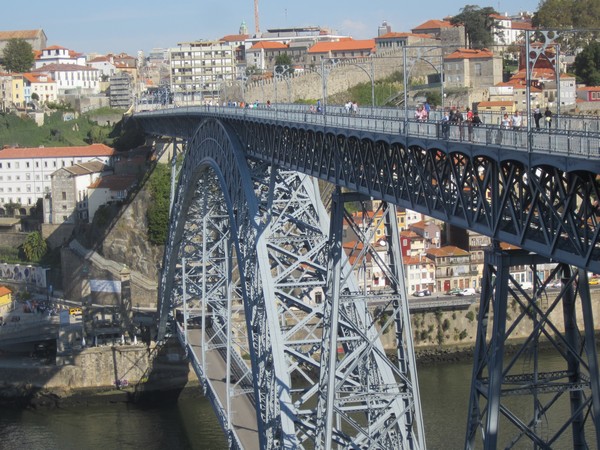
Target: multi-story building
[419,272]
[507,30]
[109,189]
[25,173]
[5,92]
[40,84]
[393,41]
[121,90]
[344,48]
[72,76]
[104,64]
[429,230]
[200,69]
[452,268]
[472,68]
[56,54]
[68,199]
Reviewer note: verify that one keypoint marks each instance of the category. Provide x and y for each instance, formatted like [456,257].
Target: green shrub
[471,316]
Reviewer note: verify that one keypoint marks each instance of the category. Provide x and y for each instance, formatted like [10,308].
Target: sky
[111,26]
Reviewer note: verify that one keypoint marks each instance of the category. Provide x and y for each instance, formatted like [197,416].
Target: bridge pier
[562,399]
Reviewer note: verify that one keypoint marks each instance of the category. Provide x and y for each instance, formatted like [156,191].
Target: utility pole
[256,21]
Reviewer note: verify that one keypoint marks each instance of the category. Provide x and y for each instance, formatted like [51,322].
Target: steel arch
[263,242]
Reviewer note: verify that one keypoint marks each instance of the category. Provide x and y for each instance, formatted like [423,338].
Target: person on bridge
[446,125]
[548,117]
[537,116]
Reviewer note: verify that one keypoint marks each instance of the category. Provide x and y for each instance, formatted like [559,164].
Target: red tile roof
[448,250]
[235,37]
[36,78]
[55,47]
[495,103]
[590,88]
[393,34]
[57,152]
[4,291]
[434,24]
[268,45]
[467,53]
[343,45]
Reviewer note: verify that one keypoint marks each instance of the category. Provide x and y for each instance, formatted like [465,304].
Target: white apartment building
[40,84]
[72,76]
[25,173]
[56,54]
[198,70]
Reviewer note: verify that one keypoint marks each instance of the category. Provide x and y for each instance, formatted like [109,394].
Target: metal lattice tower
[569,397]
[248,252]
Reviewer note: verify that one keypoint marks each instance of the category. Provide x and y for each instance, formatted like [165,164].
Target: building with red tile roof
[40,84]
[395,41]
[452,268]
[344,48]
[55,54]
[472,68]
[25,173]
[72,76]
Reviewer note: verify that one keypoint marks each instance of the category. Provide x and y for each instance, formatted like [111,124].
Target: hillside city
[74,182]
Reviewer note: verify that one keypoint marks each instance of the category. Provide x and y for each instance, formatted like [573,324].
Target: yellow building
[5,298]
[18,91]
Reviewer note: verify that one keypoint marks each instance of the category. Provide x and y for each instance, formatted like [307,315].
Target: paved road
[243,412]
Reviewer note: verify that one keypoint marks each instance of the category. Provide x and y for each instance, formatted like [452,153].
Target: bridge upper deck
[573,142]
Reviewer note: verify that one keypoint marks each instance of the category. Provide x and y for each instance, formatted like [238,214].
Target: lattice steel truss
[568,399]
[248,251]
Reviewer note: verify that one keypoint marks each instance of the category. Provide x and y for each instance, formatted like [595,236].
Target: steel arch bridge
[253,247]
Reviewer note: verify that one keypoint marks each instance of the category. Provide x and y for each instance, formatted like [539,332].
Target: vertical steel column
[185,312]
[404,335]
[572,338]
[173,175]
[496,358]
[591,352]
[327,381]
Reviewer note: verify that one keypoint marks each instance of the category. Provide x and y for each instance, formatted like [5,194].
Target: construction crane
[256,21]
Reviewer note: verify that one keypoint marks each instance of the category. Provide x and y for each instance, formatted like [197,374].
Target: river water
[190,423]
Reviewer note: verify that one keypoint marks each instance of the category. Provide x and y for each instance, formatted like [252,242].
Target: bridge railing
[576,141]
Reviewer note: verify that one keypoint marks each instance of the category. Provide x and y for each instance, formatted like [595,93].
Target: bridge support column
[360,389]
[527,394]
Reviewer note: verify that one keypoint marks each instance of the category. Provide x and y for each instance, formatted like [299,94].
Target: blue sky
[128,25]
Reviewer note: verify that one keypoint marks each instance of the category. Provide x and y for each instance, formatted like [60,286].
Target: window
[45,163]
[64,195]
[477,69]
[16,165]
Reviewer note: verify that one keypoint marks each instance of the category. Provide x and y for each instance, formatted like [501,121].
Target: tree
[18,56]
[583,16]
[587,65]
[283,60]
[478,25]
[11,208]
[35,246]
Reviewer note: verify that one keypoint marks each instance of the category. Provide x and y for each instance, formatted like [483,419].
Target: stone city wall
[308,85]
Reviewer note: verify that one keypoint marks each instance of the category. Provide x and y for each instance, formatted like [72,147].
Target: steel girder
[365,399]
[541,208]
[245,237]
[565,403]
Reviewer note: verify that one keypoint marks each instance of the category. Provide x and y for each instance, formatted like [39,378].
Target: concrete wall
[101,367]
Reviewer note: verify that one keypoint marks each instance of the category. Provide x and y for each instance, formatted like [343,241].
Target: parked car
[466,292]
[526,285]
[454,291]
[423,293]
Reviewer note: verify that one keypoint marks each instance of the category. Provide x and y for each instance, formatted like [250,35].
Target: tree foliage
[478,25]
[18,56]
[35,246]
[587,65]
[283,60]
[583,16]
[158,211]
